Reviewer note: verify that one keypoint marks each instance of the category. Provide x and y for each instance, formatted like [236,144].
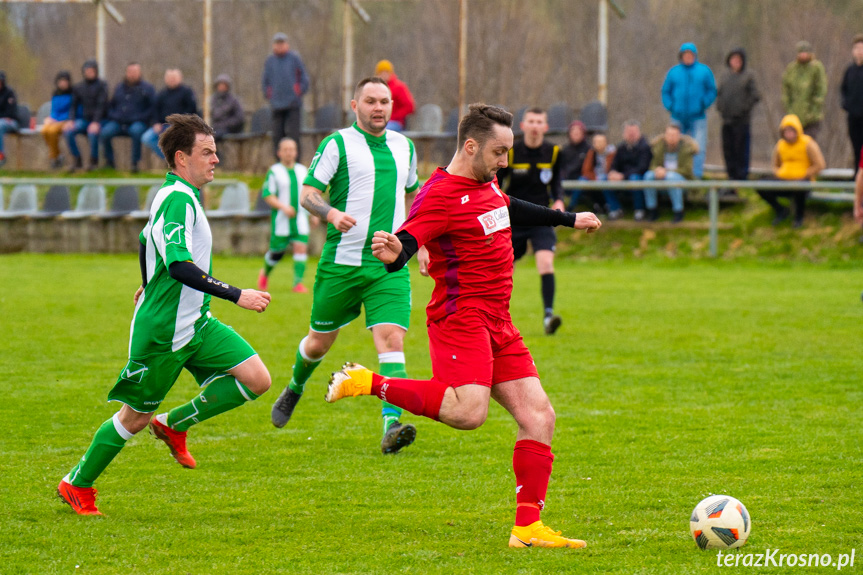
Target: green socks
[223,394]
[304,367]
[107,443]
[392,364]
[299,268]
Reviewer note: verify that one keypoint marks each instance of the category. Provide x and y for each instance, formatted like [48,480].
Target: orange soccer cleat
[81,499]
[176,442]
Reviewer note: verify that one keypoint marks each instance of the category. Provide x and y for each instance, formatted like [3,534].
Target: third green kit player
[368,170]
[289,221]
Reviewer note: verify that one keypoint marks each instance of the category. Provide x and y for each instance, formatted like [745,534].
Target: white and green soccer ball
[720,522]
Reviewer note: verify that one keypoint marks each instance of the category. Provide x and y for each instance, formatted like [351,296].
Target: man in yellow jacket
[796,157]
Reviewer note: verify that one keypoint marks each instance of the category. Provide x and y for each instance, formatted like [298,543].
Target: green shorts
[281,243]
[145,381]
[341,291]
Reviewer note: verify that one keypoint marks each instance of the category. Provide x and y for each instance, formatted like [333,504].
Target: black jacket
[634,159]
[572,159]
[9,104]
[180,100]
[132,103]
[89,101]
[738,93]
[852,90]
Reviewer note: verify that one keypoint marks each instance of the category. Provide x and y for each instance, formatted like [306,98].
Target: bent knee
[260,383]
[471,421]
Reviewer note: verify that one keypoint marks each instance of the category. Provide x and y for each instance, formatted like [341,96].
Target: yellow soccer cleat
[351,381]
[538,535]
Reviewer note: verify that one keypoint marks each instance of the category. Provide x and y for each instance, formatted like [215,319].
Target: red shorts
[471,346]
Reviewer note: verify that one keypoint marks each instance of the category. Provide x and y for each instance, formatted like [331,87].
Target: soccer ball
[720,522]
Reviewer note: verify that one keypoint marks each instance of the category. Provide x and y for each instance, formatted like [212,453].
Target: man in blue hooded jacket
[688,91]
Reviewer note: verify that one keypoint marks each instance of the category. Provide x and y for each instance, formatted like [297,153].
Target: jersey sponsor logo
[134,371]
[545,176]
[494,220]
[174,233]
[465,199]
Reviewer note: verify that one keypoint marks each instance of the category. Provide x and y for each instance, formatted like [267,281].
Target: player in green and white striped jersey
[172,327]
[289,221]
[368,170]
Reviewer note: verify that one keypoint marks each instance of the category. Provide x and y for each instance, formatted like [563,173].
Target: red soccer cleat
[81,499]
[262,281]
[176,442]
[300,288]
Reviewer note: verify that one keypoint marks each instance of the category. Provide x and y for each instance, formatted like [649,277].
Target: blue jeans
[637,195]
[151,139]
[112,129]
[676,194]
[80,127]
[609,195]
[697,129]
[6,125]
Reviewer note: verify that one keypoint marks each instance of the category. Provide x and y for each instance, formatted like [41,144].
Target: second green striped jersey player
[368,170]
[289,220]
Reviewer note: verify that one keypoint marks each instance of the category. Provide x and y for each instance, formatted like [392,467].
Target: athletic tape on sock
[301,257]
[302,350]
[121,431]
[391,357]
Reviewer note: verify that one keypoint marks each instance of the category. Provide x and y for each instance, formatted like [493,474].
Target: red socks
[419,396]
[531,461]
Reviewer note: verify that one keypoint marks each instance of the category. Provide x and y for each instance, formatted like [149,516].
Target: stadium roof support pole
[208,57]
[603,52]
[602,95]
[462,56]
[100,39]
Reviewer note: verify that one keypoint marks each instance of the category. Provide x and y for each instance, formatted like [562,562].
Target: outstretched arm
[187,273]
[522,213]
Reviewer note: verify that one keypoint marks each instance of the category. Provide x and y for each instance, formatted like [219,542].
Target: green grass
[671,380]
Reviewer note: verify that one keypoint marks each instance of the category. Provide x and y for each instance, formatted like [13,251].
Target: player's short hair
[286,139]
[535,110]
[479,123]
[370,80]
[632,124]
[858,38]
[183,130]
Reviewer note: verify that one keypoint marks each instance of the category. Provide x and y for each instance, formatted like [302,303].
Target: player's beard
[483,173]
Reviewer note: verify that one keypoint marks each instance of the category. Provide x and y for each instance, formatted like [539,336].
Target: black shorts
[541,238]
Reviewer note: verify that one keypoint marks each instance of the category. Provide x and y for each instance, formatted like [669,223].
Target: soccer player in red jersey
[463,219]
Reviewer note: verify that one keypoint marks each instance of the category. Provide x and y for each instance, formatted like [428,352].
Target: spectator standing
[129,112]
[738,95]
[174,98]
[852,98]
[61,103]
[804,87]
[403,100]
[284,83]
[597,165]
[8,113]
[688,91]
[225,109]
[631,162]
[89,109]
[796,157]
[572,158]
[673,159]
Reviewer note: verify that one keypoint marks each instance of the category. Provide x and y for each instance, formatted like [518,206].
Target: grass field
[671,381]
